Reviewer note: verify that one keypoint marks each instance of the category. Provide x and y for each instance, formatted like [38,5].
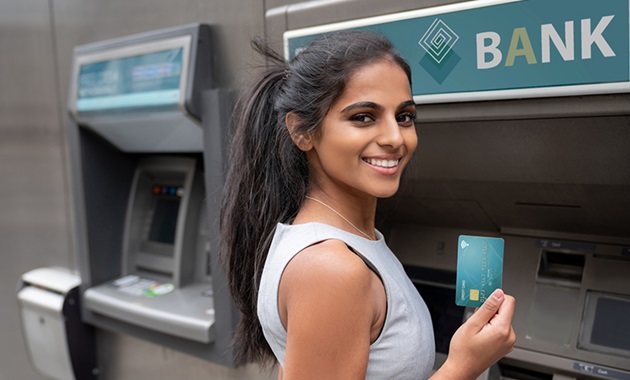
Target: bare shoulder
[328,303]
[330,260]
[327,273]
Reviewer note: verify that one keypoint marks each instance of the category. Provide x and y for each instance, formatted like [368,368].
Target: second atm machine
[142,111]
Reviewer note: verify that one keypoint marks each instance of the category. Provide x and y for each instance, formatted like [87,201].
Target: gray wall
[34,228]
[36,42]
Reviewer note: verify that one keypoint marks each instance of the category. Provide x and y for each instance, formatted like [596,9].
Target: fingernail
[498,294]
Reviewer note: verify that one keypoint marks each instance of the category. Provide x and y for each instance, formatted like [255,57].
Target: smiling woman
[317,141]
[365,141]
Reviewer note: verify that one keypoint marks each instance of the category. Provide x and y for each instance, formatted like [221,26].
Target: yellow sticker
[474,295]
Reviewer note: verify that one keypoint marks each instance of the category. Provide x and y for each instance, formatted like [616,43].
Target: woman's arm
[327,304]
[481,341]
[332,306]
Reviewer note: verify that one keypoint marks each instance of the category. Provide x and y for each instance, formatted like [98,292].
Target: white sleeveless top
[405,349]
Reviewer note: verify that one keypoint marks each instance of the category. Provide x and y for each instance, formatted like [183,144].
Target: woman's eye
[362,118]
[406,118]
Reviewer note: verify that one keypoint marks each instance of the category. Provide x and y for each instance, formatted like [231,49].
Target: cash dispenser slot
[562,268]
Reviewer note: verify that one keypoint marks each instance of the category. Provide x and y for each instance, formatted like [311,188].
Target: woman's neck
[353,214]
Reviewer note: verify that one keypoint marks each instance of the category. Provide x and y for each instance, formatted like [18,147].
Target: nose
[390,134]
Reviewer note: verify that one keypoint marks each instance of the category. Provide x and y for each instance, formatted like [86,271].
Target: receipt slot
[143,111]
[60,345]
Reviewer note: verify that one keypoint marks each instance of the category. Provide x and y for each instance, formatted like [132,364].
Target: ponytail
[265,184]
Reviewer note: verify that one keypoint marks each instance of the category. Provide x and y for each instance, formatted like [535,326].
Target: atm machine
[524,126]
[143,110]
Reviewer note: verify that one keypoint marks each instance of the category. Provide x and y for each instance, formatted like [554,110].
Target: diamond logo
[438,40]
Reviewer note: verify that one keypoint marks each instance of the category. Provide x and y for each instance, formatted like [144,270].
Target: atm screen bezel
[585,340]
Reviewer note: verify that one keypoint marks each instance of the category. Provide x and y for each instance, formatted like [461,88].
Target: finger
[505,313]
[487,310]
[511,340]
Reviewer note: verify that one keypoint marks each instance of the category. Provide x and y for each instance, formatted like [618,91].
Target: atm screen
[166,200]
[140,81]
[610,326]
[164,220]
[605,324]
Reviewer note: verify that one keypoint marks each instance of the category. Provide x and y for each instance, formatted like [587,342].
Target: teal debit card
[479,269]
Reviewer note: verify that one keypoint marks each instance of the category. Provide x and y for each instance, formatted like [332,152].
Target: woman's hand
[482,340]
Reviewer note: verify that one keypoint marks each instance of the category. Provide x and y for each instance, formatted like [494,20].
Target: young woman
[317,141]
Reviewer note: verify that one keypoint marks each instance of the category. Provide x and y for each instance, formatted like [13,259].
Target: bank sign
[497,49]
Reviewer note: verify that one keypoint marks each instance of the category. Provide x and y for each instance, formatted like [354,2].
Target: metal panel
[569,174]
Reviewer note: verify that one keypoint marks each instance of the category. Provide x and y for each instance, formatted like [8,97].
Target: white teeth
[381,163]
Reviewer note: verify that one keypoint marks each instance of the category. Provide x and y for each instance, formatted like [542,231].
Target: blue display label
[502,49]
[148,80]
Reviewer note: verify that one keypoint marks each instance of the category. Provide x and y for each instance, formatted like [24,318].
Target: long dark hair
[268,175]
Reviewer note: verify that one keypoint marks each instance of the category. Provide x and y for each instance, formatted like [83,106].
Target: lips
[383,163]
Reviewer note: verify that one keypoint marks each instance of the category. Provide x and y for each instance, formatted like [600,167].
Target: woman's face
[368,136]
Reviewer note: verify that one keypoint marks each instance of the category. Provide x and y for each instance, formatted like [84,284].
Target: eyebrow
[407,103]
[375,106]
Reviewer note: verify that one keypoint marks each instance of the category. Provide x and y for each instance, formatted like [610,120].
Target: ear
[302,140]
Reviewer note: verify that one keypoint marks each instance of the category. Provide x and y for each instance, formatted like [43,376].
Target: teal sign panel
[148,80]
[497,49]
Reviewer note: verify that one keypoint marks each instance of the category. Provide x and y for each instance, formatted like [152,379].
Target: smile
[382,163]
